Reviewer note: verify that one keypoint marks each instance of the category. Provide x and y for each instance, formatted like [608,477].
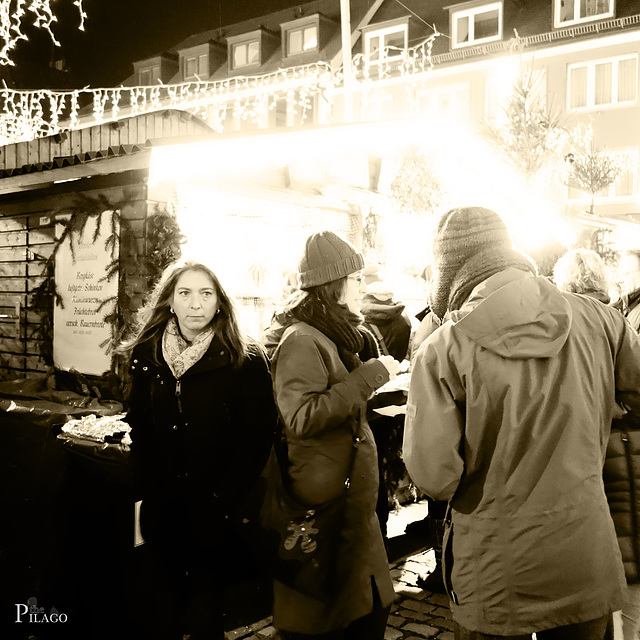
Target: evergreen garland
[46,295]
[164,238]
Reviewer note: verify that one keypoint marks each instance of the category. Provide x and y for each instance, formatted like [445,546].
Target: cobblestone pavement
[415,614]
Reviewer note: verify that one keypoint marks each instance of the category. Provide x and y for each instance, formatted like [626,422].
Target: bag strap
[281,452]
[381,342]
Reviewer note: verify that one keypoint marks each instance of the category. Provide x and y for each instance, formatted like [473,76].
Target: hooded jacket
[508,417]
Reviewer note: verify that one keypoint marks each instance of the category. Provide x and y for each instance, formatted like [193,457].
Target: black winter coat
[198,445]
[622,486]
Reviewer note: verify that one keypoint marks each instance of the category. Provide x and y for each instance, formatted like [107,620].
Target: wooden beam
[97,167]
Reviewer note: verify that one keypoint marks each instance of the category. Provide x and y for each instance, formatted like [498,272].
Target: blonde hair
[581,271]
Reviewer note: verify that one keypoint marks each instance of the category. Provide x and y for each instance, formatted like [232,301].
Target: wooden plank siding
[27,239]
[136,130]
[29,202]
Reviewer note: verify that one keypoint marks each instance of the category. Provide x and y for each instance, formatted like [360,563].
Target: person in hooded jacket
[508,416]
[321,388]
[582,271]
[203,420]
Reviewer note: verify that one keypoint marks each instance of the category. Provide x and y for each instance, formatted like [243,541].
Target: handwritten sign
[79,327]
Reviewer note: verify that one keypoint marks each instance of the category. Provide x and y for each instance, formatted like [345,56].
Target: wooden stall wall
[27,239]
[136,130]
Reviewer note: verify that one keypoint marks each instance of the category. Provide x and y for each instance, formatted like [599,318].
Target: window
[301,40]
[624,186]
[568,12]
[603,83]
[452,102]
[246,54]
[203,65]
[196,65]
[477,25]
[386,43]
[150,75]
[190,67]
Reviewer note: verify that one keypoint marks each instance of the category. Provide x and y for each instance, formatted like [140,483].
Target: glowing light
[12,19]
[245,176]
[249,99]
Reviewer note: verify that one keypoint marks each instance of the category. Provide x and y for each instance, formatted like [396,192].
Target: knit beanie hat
[327,257]
[470,245]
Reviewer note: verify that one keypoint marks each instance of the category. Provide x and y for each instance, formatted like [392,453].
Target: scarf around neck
[180,354]
[343,330]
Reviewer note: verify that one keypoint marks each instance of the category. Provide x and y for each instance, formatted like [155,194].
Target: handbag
[298,542]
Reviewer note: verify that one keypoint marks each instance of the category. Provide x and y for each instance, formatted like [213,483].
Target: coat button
[135,361]
[144,368]
[222,353]
[175,427]
[379,378]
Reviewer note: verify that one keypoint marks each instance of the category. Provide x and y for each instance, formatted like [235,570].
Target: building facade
[442,61]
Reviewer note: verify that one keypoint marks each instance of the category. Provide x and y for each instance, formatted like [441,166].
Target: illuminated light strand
[246,97]
[11,22]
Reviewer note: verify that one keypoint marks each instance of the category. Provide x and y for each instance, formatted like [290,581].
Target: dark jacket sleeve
[138,405]
[622,486]
[257,423]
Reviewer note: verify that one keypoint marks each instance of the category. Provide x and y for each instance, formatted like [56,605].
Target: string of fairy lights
[13,15]
[26,115]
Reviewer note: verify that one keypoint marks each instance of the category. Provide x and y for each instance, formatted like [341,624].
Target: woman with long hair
[202,419]
[321,388]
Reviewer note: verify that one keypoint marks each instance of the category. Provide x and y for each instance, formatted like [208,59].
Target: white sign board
[78,327]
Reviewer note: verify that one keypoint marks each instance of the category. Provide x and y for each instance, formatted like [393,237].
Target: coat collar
[216,356]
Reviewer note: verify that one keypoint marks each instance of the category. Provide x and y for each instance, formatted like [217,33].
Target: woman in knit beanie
[321,389]
[470,244]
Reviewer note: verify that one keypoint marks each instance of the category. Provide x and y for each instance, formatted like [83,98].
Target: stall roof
[77,152]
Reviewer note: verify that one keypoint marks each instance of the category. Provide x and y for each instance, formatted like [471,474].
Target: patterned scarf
[180,354]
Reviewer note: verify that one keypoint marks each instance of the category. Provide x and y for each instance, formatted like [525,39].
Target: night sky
[117,32]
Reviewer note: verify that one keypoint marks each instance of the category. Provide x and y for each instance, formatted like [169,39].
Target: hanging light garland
[13,14]
[26,115]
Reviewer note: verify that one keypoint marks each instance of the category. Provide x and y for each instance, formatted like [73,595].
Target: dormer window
[476,24]
[386,40]
[250,50]
[200,61]
[301,40]
[151,71]
[149,75]
[306,36]
[196,66]
[569,12]
[246,54]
